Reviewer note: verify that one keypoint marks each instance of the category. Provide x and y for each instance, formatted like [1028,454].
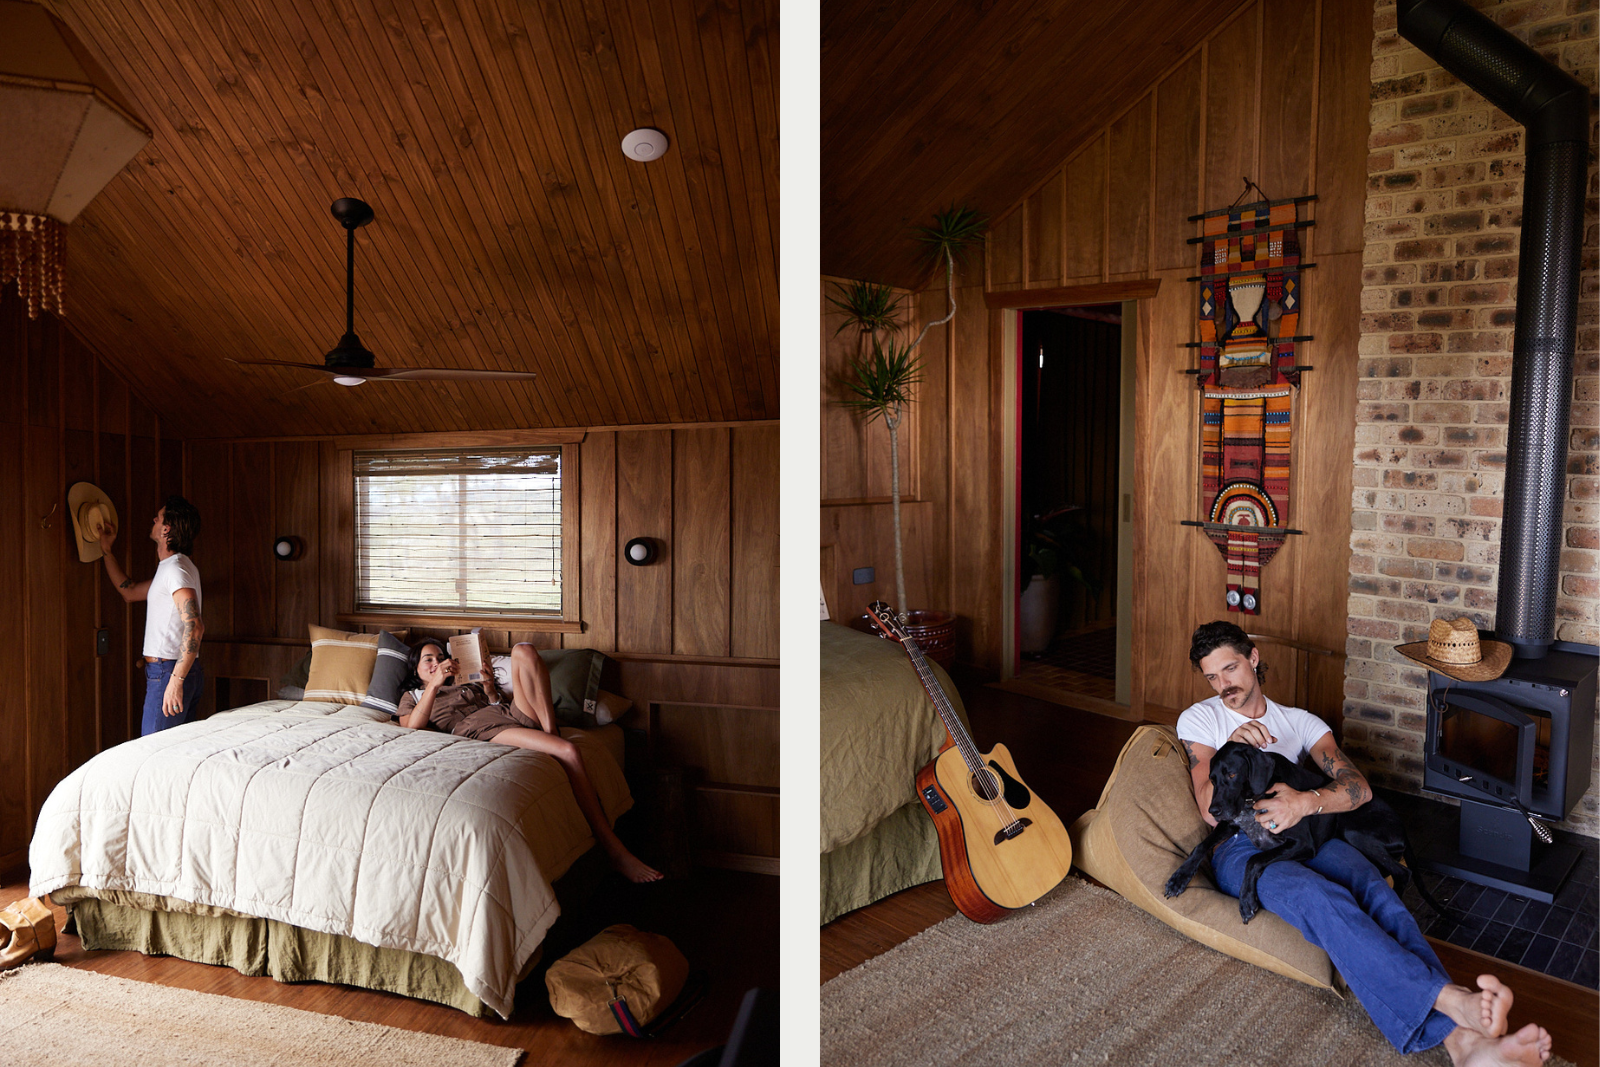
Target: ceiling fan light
[345,379]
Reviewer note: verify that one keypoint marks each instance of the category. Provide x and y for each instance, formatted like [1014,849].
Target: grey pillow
[574,682]
[389,673]
[298,675]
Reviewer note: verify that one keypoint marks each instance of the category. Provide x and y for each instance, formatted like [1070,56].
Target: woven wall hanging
[1250,302]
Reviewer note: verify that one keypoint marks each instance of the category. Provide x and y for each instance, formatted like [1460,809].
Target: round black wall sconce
[285,549]
[640,551]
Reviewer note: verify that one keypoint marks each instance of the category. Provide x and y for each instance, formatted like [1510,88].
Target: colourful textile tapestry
[1249,310]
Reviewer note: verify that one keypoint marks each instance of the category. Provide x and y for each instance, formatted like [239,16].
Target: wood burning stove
[1521,745]
[1512,750]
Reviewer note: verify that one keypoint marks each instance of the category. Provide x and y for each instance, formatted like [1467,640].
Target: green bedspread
[878,729]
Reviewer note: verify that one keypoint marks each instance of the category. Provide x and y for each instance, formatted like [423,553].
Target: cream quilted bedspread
[334,819]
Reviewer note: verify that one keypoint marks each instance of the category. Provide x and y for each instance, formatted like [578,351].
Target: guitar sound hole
[986,787]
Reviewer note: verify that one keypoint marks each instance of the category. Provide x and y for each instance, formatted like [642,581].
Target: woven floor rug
[1086,978]
[56,1016]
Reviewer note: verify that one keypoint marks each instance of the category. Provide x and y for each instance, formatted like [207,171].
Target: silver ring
[1272,826]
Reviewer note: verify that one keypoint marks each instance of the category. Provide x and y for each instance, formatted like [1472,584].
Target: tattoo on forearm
[127,583]
[1347,778]
[1194,761]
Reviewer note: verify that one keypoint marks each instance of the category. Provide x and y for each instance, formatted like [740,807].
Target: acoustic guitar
[1001,847]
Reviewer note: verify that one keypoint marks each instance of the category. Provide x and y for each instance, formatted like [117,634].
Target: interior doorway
[1074,475]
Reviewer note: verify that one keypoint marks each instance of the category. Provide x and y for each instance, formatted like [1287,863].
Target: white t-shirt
[163,626]
[1211,722]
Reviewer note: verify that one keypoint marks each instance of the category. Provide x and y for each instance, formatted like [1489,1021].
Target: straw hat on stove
[1453,649]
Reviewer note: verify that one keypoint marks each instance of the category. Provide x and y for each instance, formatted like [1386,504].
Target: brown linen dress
[464,710]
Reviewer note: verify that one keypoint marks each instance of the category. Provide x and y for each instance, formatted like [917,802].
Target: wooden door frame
[1009,306]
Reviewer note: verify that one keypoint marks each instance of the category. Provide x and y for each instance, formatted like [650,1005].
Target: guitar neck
[941,702]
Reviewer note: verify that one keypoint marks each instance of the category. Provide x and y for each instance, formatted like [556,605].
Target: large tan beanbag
[1144,826]
[644,969]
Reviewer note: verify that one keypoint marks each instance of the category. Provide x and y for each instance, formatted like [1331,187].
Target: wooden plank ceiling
[511,232]
[932,103]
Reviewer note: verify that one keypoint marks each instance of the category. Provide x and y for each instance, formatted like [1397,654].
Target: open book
[468,652]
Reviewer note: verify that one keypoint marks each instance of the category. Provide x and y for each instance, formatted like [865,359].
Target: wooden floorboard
[725,922]
[1066,756]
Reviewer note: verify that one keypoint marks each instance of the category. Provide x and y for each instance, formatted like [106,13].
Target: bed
[878,729]
[322,841]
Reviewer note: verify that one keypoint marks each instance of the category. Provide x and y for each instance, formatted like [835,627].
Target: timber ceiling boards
[933,103]
[511,231]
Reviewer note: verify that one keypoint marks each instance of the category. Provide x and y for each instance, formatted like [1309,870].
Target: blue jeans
[1340,902]
[156,676]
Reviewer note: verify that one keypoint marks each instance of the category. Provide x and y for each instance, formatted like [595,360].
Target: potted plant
[1054,544]
[881,380]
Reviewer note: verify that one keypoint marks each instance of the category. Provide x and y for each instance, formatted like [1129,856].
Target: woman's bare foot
[632,867]
[1483,1011]
[1528,1047]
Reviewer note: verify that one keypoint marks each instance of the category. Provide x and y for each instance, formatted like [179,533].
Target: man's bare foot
[1483,1011]
[1528,1047]
[632,867]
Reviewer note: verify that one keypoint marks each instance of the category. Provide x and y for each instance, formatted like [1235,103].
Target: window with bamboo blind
[475,531]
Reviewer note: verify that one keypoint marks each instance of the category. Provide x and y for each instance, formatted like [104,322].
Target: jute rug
[55,1016]
[1086,978]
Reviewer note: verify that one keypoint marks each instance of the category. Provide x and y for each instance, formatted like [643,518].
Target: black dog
[1241,775]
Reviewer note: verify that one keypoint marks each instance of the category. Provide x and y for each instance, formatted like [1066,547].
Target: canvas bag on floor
[28,929]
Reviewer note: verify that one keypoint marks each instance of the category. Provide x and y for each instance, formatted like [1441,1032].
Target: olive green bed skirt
[898,853]
[255,947]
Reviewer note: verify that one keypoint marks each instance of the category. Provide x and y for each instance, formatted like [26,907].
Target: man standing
[172,625]
[1337,899]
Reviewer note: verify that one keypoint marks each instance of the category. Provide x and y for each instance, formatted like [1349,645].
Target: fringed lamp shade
[65,132]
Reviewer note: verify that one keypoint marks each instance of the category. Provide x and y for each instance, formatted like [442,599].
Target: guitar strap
[694,987]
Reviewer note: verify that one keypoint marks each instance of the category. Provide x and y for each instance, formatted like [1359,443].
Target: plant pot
[1037,614]
[933,631]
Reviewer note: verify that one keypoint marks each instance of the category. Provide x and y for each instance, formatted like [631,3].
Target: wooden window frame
[570,619]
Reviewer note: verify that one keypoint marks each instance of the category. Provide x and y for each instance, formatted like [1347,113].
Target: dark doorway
[1068,496]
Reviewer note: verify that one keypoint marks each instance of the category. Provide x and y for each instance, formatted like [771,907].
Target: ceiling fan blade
[443,374]
[278,363]
[308,385]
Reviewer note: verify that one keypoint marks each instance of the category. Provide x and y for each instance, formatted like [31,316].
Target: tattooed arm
[1200,776]
[188,649]
[1349,789]
[127,588]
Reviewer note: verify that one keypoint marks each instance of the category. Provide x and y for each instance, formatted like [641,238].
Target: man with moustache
[1337,899]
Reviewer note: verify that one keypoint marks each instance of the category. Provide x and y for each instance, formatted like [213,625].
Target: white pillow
[609,707]
[501,665]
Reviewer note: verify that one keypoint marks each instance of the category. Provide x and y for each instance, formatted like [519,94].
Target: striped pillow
[389,673]
[341,665]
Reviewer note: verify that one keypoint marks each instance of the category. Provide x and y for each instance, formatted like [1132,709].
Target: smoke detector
[644,145]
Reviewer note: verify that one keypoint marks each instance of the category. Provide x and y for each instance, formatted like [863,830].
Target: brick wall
[1444,194]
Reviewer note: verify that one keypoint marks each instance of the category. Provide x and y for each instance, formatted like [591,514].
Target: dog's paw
[1248,909]
[1175,886]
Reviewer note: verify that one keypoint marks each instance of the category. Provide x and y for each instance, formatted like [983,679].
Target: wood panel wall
[694,634]
[857,508]
[1277,92]
[70,419]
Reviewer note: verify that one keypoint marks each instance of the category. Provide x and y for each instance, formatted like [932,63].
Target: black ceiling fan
[350,362]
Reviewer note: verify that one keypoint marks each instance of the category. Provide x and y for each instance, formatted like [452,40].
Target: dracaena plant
[880,381]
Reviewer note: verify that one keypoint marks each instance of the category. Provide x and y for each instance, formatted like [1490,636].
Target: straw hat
[92,512]
[1453,648]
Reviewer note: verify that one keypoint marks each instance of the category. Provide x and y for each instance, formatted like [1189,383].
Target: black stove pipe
[1553,107]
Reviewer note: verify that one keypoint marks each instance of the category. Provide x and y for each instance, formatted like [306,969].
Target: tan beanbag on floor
[1144,826]
[645,969]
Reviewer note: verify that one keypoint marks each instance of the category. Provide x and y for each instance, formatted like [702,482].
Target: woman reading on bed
[528,721]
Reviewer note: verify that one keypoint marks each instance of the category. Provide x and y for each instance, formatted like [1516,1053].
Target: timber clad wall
[1277,92]
[1438,303]
[71,419]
